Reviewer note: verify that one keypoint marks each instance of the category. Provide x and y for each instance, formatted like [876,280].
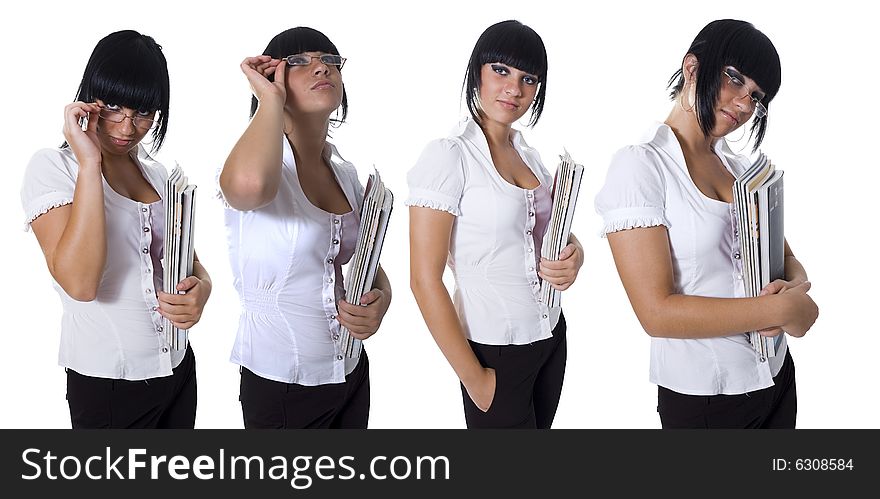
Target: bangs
[752,53]
[299,40]
[131,83]
[522,49]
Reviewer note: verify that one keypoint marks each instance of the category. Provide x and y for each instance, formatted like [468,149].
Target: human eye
[145,113]
[530,80]
[500,69]
[735,78]
[112,107]
[331,59]
[298,60]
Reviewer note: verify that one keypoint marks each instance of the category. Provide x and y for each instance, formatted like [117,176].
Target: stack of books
[364,262]
[758,208]
[566,185]
[177,263]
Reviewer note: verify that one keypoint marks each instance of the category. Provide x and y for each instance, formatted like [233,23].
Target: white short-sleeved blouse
[118,334]
[287,262]
[647,185]
[495,241]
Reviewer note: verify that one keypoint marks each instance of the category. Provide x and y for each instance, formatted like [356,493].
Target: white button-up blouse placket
[649,185]
[287,262]
[495,243]
[119,334]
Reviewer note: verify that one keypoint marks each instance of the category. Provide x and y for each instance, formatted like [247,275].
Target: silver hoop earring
[743,134]
[680,97]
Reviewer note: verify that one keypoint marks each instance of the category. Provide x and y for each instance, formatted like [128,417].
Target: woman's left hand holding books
[185,310]
[776,287]
[363,320]
[562,273]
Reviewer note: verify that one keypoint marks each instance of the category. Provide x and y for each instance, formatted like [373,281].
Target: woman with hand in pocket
[480,202]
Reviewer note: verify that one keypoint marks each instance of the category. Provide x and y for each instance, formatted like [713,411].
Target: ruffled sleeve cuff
[431,199]
[42,206]
[632,218]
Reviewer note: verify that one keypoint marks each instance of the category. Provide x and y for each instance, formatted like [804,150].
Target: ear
[689,68]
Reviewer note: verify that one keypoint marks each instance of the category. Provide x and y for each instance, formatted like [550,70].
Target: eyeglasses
[117,116]
[736,83]
[306,59]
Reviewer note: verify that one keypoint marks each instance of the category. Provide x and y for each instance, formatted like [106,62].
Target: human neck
[688,132]
[497,134]
[307,138]
[116,163]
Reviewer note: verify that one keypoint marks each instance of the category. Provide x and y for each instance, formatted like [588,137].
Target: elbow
[653,324]
[83,288]
[415,285]
[653,331]
[419,284]
[247,192]
[82,292]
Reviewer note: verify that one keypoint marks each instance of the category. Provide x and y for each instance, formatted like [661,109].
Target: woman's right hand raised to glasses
[84,143]
[257,69]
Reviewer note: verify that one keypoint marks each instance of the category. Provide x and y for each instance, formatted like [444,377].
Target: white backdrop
[608,69]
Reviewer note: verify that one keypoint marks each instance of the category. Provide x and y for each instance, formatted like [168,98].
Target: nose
[745,103]
[320,68]
[513,89]
[127,125]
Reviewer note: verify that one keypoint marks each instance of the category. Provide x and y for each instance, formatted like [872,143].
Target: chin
[506,118]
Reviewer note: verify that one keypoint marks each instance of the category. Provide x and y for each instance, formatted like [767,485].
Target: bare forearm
[684,316]
[252,172]
[442,320]
[77,263]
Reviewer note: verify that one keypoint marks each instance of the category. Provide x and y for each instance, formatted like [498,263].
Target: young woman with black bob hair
[668,217]
[292,220]
[95,207]
[480,201]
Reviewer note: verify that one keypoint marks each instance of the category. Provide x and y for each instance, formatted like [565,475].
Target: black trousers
[166,402]
[271,404]
[528,383]
[772,407]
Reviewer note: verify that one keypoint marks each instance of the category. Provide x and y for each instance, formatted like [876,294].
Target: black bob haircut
[128,69]
[728,42]
[516,45]
[296,41]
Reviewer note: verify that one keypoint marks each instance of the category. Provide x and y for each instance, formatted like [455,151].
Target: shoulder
[634,178]
[52,162]
[443,148]
[637,162]
[439,155]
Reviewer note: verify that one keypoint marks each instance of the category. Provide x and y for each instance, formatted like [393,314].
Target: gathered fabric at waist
[260,301]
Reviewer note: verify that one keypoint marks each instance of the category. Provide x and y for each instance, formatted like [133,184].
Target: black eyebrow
[742,77]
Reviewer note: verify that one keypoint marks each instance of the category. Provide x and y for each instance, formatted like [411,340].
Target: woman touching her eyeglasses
[480,201]
[292,220]
[668,217]
[95,207]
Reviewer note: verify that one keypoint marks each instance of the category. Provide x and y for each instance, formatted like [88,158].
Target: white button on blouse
[287,262]
[496,238]
[647,185]
[119,334]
